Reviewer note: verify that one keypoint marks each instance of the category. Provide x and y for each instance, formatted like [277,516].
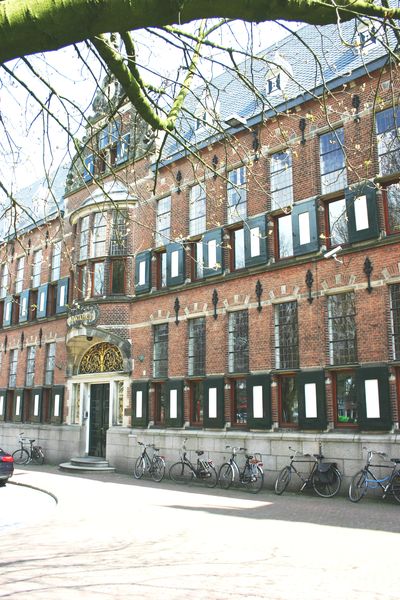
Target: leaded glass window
[238,350]
[286,336]
[197,346]
[160,350]
[332,161]
[342,329]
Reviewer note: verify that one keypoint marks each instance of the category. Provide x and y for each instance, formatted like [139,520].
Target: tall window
[36,268]
[50,363]
[161,396]
[196,402]
[163,221]
[237,196]
[332,161]
[345,397]
[285,236]
[4,280]
[281,180]
[338,223]
[118,243]
[19,275]
[99,235]
[238,350]
[395,319]
[239,256]
[12,377]
[56,261]
[84,238]
[342,329]
[288,400]
[197,346]
[118,276]
[160,350]
[98,284]
[197,210]
[239,404]
[30,366]
[392,207]
[387,127]
[286,336]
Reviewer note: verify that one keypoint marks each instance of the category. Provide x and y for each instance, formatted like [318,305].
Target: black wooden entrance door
[99,418]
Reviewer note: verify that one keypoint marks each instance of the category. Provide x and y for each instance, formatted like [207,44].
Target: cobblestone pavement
[111,537]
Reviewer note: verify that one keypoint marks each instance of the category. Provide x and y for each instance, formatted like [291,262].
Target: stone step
[87,464]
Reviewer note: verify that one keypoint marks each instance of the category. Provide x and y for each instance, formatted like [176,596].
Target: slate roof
[314,58]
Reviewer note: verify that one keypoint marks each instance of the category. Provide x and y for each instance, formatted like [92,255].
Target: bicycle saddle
[395,460]
[318,456]
[199,452]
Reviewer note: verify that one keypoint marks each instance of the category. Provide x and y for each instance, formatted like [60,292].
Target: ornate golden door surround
[101,358]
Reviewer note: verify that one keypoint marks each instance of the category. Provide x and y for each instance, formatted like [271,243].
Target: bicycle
[365,478]
[251,477]
[154,466]
[184,471]
[23,456]
[324,477]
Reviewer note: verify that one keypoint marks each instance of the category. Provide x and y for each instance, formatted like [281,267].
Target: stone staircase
[87,464]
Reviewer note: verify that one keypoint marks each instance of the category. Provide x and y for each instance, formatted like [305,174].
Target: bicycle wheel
[253,478]
[358,486]
[210,476]
[158,469]
[21,456]
[329,485]
[395,486]
[180,472]
[226,476]
[283,480]
[37,456]
[139,468]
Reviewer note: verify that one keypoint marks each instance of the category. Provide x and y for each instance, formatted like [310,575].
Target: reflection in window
[30,366]
[161,394]
[281,180]
[338,229]
[387,127]
[163,221]
[346,399]
[332,161]
[98,279]
[99,235]
[239,251]
[240,408]
[286,336]
[289,400]
[342,329]
[285,236]
[197,402]
[238,350]
[160,350]
[50,363]
[393,208]
[84,239]
[19,278]
[37,268]
[237,197]
[197,346]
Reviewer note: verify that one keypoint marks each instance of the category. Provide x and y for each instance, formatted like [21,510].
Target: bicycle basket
[325,472]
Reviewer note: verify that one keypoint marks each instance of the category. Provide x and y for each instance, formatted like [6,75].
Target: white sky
[26,151]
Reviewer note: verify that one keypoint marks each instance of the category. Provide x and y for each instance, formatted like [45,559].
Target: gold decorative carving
[101,358]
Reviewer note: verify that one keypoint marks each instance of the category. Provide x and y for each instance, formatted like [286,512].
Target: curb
[34,487]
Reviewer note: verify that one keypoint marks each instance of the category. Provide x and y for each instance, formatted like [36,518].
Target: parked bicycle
[154,465]
[25,455]
[324,477]
[251,476]
[184,471]
[365,478]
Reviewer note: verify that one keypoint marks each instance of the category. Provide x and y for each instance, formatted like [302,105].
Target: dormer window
[273,83]
[277,75]
[206,112]
[367,35]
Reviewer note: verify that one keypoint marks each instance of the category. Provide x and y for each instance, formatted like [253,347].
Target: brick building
[241,288]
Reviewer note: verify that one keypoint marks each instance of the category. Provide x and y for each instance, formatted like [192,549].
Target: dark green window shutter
[305,227]
[311,397]
[362,212]
[259,402]
[24,306]
[35,415]
[140,404]
[62,295]
[143,272]
[214,404]
[374,411]
[175,264]
[255,241]
[212,239]
[18,405]
[57,404]
[89,168]
[8,310]
[123,148]
[41,310]
[174,404]
[3,404]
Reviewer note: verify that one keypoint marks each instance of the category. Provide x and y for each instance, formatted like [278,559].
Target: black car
[6,467]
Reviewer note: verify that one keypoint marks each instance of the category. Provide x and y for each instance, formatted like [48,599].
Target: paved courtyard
[115,538]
